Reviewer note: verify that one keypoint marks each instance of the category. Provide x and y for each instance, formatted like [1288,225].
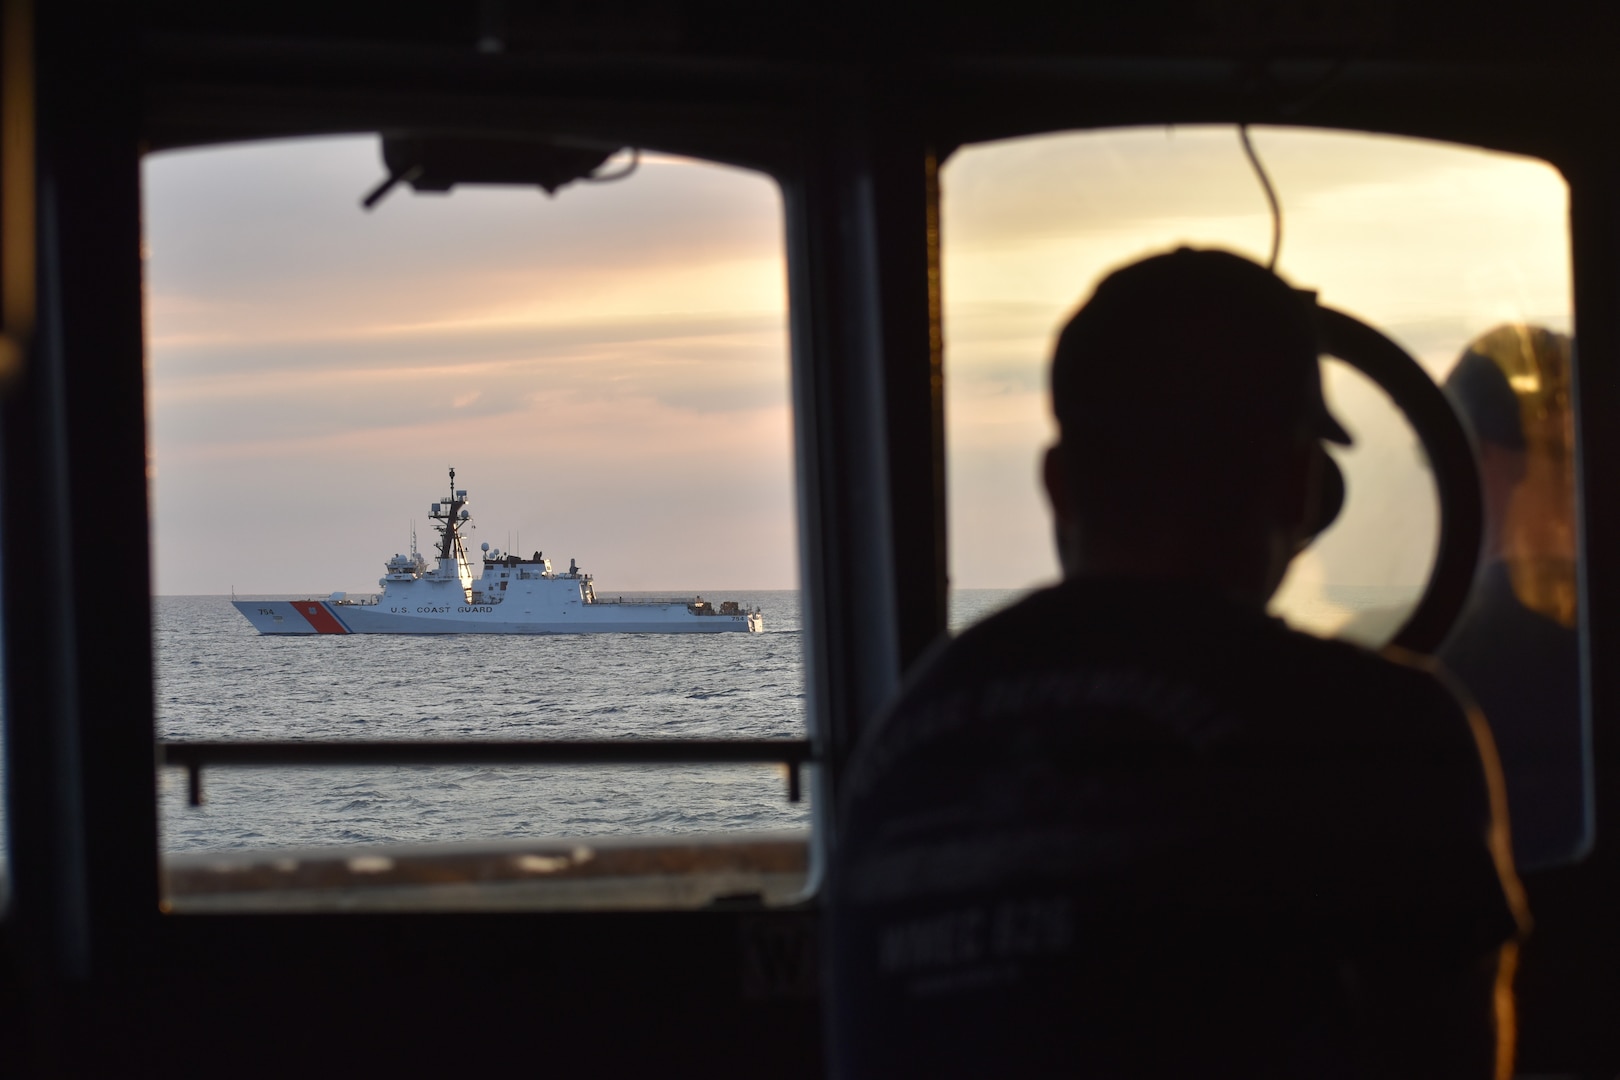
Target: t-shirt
[1524,670]
[1126,825]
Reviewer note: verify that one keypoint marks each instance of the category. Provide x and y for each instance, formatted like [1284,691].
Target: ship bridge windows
[313,368]
[1458,255]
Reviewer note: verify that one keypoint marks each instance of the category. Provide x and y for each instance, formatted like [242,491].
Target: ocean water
[218,679]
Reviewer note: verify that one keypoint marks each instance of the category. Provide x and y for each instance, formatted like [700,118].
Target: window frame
[849,146]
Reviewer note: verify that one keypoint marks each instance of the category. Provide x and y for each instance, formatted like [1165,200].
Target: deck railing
[647,600]
[192,756]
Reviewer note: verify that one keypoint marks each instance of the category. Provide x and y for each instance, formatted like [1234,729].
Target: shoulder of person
[936,692]
[983,646]
[1370,695]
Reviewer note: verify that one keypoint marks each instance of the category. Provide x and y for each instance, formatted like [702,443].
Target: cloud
[609,367]
[249,396]
[436,347]
[260,231]
[1434,244]
[1133,181]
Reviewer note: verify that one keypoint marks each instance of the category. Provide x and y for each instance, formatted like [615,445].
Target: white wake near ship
[508,594]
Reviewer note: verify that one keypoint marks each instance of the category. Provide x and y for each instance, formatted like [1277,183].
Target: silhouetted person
[1133,826]
[1520,665]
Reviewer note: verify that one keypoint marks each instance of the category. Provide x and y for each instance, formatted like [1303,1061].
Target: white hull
[342,617]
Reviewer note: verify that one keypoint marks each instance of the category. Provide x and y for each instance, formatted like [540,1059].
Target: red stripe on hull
[318,616]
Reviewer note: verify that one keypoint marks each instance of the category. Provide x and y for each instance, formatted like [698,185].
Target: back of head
[1485,400]
[1182,383]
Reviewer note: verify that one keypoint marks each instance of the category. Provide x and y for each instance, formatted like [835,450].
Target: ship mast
[449,530]
[452,553]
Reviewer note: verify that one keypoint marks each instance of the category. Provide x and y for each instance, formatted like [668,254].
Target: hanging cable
[1271,195]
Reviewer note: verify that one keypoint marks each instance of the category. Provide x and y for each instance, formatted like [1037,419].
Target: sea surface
[216,678]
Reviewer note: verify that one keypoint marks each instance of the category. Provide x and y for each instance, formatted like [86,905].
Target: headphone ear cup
[1330,492]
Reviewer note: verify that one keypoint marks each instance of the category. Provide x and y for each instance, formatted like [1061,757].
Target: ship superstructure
[508,594]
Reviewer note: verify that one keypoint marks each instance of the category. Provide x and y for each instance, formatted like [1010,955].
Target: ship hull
[304,617]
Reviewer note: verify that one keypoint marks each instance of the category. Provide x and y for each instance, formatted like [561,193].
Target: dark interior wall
[847,110]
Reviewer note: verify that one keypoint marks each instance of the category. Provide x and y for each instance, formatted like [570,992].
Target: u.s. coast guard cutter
[508,595]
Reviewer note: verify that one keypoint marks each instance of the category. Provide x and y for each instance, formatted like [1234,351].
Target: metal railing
[193,756]
[647,600]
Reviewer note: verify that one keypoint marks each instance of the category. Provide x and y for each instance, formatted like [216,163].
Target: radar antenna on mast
[451,517]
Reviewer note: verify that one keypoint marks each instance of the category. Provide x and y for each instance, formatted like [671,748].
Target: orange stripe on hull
[320,617]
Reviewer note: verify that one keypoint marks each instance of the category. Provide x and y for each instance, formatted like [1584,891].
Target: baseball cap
[1192,346]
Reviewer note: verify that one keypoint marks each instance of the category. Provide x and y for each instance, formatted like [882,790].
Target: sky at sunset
[1433,244]
[607,369]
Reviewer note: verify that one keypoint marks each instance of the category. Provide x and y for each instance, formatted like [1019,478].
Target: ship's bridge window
[1459,255]
[315,368]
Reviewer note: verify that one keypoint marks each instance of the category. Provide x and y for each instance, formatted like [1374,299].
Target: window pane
[1365,574]
[1438,246]
[606,371]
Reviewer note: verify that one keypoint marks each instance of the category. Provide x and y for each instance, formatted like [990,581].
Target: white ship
[508,595]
